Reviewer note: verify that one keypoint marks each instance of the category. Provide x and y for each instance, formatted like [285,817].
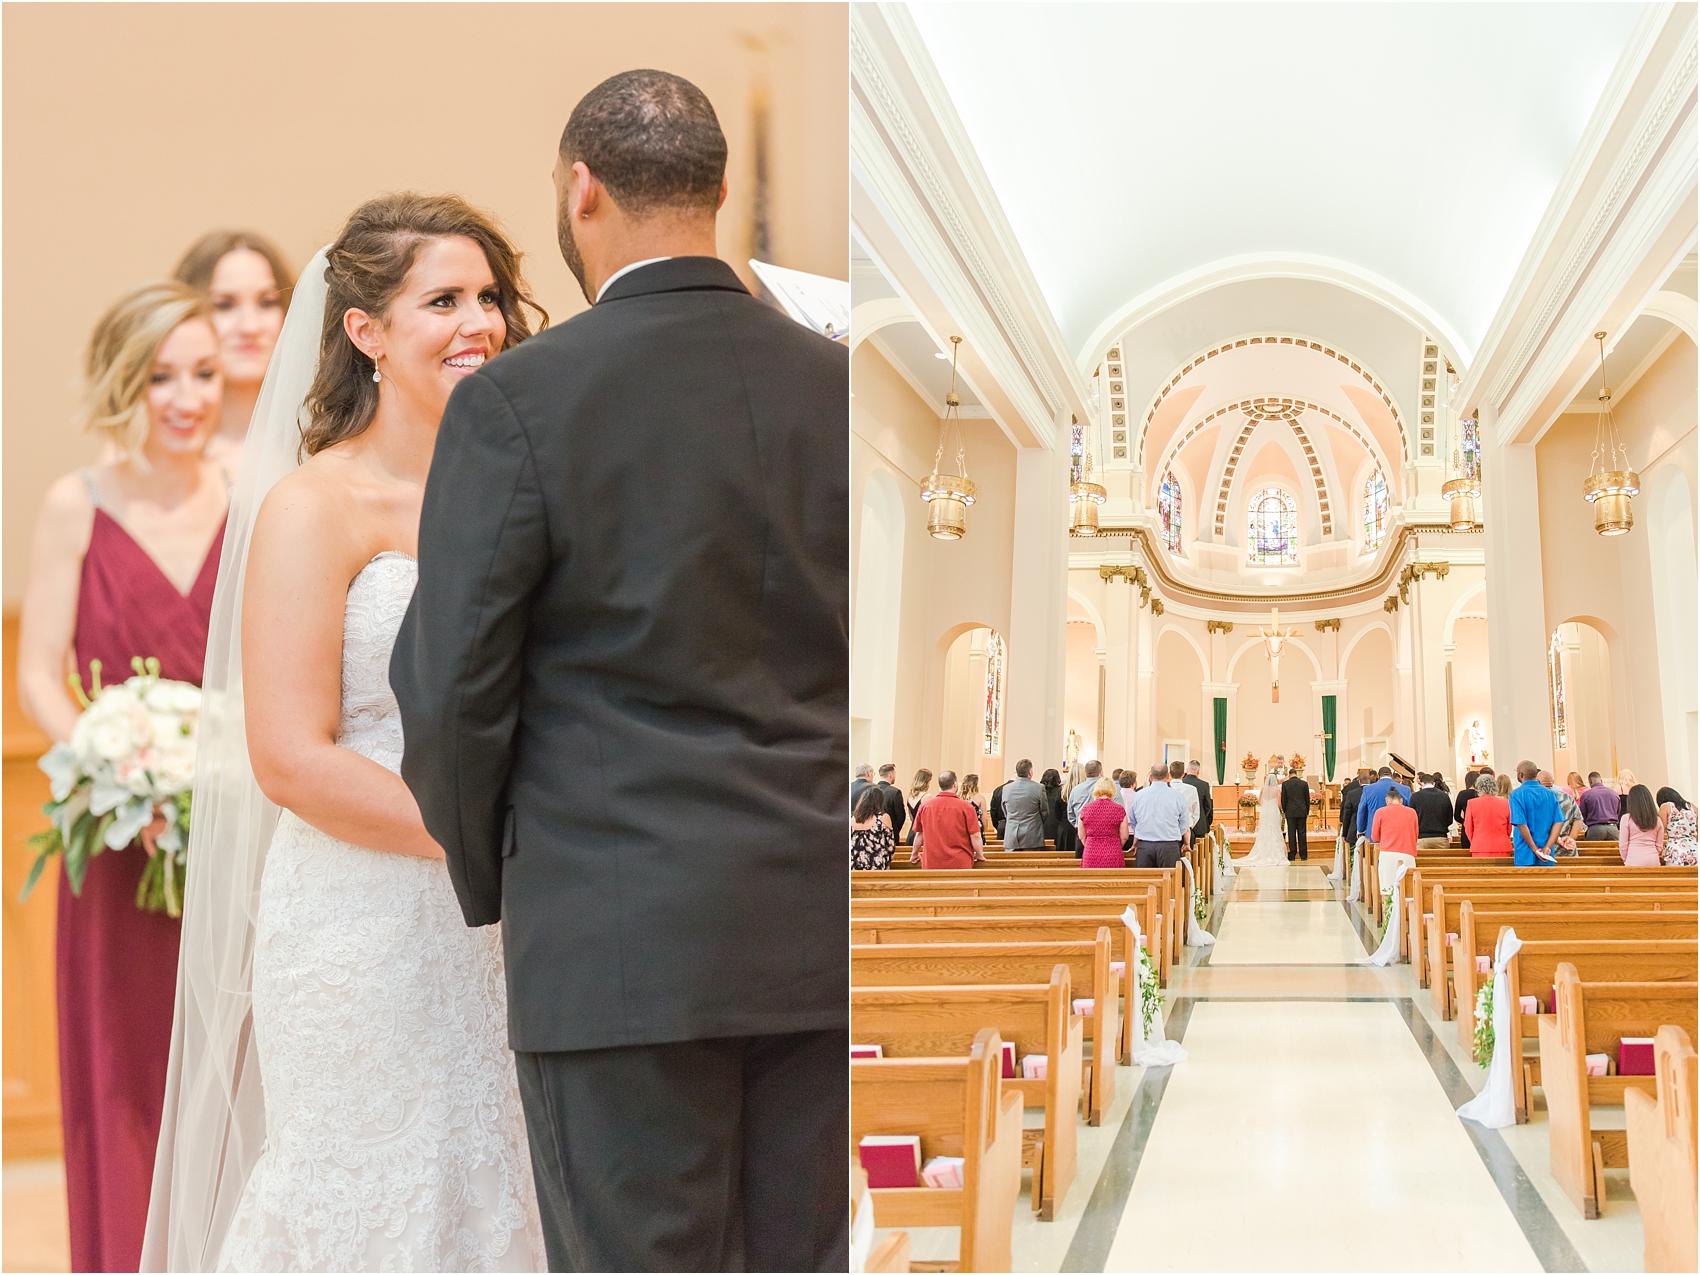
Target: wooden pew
[1089,967]
[1662,1166]
[1108,908]
[891,1255]
[1534,972]
[1446,898]
[1592,1018]
[1006,929]
[934,1020]
[957,1106]
[1532,918]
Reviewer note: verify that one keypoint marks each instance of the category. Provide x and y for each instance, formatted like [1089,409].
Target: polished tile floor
[1311,1127]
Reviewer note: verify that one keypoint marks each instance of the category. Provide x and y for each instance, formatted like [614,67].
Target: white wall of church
[1613,583]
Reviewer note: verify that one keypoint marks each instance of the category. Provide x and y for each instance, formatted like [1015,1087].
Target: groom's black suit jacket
[1295,798]
[623,677]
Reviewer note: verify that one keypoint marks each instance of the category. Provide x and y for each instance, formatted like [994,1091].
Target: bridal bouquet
[131,756]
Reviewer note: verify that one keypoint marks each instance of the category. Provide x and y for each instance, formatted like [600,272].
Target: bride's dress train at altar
[394,1134]
[1269,848]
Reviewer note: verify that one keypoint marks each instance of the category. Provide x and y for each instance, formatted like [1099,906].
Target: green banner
[1328,741]
[1221,741]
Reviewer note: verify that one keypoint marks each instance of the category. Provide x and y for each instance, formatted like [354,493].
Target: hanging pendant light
[1610,484]
[1084,496]
[1463,491]
[949,495]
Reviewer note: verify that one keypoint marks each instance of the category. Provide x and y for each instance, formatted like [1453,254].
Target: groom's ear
[584,192]
[722,203]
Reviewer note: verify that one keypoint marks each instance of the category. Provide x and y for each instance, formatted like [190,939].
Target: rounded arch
[1360,635]
[1093,614]
[1225,271]
[869,317]
[1197,648]
[1293,644]
[1477,590]
[1238,498]
[1314,500]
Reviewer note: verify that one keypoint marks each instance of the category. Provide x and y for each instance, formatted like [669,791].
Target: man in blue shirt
[1537,820]
[1161,825]
[1374,797]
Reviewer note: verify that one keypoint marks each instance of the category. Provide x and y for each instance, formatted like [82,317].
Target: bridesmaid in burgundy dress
[123,565]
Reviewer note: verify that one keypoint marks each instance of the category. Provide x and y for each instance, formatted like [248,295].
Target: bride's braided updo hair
[365,269]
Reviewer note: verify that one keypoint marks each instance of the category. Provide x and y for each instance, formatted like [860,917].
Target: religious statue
[1274,639]
[1071,746]
[1478,742]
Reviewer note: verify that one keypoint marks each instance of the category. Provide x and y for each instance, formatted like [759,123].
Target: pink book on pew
[1083,1006]
[1597,1064]
[1635,1056]
[892,1160]
[1484,965]
[1528,1005]
[867,1051]
[944,1171]
[1033,1067]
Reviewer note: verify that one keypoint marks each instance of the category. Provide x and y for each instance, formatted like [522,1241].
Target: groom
[1295,809]
[623,685]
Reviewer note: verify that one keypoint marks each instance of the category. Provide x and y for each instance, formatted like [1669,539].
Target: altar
[1243,799]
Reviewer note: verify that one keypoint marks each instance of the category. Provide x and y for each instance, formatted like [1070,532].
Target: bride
[341,1094]
[1269,850]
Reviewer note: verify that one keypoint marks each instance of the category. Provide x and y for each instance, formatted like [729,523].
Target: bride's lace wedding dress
[1269,850]
[394,1136]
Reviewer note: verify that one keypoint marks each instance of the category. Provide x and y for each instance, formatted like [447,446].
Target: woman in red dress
[1487,820]
[123,565]
[1103,828]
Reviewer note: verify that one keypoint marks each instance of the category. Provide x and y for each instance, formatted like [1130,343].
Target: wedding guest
[1068,836]
[1601,809]
[1434,813]
[918,789]
[969,791]
[1103,828]
[998,819]
[123,565]
[1351,792]
[1622,783]
[1206,802]
[946,834]
[1465,796]
[893,798]
[248,283]
[1159,820]
[1487,821]
[1573,785]
[871,838]
[1189,794]
[1569,814]
[864,780]
[1374,796]
[1536,823]
[1024,810]
[1396,826]
[1081,793]
[1641,832]
[1055,810]
[1680,830]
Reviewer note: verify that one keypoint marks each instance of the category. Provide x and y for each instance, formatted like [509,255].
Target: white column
[1516,601]
[1119,669]
[1038,621]
[1146,751]
[1404,737]
[1428,659]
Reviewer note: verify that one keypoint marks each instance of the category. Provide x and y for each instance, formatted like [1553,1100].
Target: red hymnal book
[1635,1056]
[892,1159]
[867,1051]
[1008,1059]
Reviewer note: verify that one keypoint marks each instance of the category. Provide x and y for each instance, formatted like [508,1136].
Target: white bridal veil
[214,1119]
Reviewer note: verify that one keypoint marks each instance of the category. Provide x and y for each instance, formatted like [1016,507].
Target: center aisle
[1305,1134]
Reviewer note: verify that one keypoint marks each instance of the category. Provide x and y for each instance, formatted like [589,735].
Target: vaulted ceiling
[1144,153]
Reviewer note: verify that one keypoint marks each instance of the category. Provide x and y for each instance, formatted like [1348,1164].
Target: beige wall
[129,129]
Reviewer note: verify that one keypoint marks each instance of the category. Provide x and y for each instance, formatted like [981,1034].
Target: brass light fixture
[949,495]
[1464,491]
[1084,495]
[1610,483]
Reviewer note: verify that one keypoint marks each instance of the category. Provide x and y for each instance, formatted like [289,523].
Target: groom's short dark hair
[652,139]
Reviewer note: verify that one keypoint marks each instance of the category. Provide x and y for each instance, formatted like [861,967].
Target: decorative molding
[1218,626]
[1297,342]
[1129,574]
[1324,626]
[1390,604]
[1257,415]
[1156,606]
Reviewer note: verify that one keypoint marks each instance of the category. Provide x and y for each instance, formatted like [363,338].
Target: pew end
[1662,1160]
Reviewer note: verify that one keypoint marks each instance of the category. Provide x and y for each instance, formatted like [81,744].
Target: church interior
[1292,391]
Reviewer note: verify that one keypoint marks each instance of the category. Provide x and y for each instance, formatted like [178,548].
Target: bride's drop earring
[376,375]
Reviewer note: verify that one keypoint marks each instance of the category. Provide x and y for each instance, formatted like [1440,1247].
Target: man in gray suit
[1082,792]
[1023,810]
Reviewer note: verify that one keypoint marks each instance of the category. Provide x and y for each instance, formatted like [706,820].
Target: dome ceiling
[1134,147]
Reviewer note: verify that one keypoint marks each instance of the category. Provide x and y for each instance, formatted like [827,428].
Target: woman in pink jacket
[1640,833]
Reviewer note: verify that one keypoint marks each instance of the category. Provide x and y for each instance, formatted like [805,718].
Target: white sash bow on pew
[1339,859]
[1154,1051]
[1495,1106]
[1389,949]
[1196,934]
[1357,877]
[1224,859]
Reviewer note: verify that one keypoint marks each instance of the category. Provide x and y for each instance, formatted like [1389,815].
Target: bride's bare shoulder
[313,512]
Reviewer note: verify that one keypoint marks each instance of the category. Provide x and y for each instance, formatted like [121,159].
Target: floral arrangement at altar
[1248,800]
[1249,765]
[1297,765]
[130,760]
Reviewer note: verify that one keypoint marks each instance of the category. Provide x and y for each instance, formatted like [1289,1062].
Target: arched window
[1169,510]
[1272,533]
[1375,511]
[1555,686]
[994,694]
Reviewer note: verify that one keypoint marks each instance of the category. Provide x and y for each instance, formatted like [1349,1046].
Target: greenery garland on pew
[1481,1046]
[1200,910]
[1150,994]
[1386,909]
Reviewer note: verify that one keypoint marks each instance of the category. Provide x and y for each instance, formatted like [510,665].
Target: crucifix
[1274,639]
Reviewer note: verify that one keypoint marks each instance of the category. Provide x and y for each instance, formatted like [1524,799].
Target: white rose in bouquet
[130,759]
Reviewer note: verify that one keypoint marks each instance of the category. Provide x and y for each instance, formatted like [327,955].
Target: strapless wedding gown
[394,1135]
[1269,850]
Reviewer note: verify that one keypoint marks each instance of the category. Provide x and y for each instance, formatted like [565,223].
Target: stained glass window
[1470,445]
[1076,451]
[1555,684]
[1169,510]
[1375,510]
[994,694]
[1272,533]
